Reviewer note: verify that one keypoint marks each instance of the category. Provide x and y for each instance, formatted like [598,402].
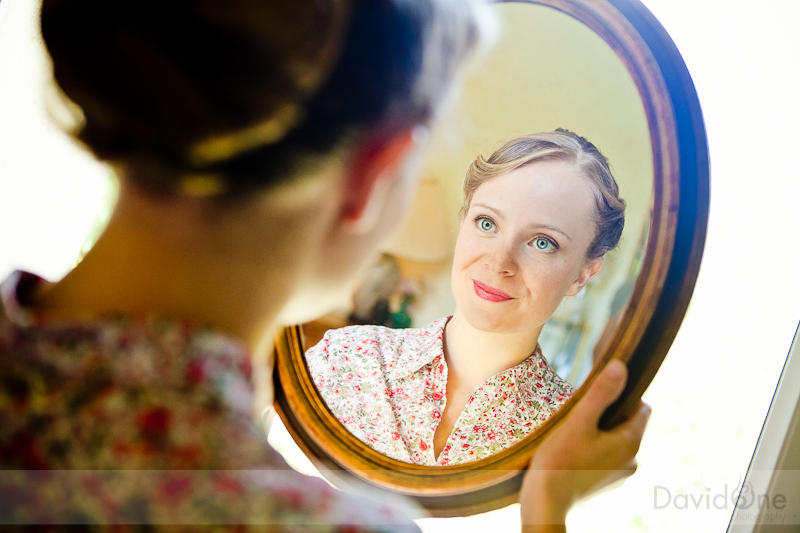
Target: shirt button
[437,396]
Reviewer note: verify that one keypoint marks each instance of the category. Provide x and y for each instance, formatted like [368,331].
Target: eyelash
[484,217]
[548,239]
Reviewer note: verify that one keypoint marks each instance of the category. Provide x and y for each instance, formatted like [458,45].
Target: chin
[490,322]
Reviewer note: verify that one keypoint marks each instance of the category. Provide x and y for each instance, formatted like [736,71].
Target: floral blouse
[146,421]
[388,388]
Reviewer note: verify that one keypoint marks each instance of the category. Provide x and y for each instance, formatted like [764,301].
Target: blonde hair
[560,145]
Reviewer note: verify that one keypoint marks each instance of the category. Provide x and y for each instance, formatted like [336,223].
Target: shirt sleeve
[348,367]
[323,371]
[343,373]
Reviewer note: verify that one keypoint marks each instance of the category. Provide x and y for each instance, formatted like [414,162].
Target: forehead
[540,188]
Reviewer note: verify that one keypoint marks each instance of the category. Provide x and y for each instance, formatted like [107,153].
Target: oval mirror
[604,69]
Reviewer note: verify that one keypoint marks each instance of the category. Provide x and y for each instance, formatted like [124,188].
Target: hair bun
[156,79]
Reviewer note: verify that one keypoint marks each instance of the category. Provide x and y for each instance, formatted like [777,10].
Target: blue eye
[485,224]
[545,245]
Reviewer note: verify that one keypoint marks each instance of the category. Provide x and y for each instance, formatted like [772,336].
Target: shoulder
[374,350]
[349,337]
[347,343]
[366,342]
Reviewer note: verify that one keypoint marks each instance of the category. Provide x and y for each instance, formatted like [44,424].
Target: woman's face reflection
[522,247]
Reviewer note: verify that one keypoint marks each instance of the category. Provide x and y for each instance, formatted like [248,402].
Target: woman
[263,150]
[537,218]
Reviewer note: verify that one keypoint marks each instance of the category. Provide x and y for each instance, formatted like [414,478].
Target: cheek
[549,279]
[466,251]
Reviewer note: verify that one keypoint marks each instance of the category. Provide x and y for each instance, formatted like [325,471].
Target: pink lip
[490,293]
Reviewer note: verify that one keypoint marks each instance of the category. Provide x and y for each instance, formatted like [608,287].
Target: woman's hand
[577,459]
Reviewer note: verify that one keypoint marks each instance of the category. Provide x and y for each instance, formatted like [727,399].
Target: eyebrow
[533,225]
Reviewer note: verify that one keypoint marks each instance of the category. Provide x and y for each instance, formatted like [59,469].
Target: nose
[502,259]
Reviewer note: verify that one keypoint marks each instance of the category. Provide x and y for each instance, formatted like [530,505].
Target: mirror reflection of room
[537,218]
[579,83]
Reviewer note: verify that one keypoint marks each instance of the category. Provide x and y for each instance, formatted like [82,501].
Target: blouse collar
[416,350]
[423,346]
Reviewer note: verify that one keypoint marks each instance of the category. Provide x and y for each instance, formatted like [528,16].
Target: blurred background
[713,391]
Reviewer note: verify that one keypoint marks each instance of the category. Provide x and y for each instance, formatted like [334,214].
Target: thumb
[602,392]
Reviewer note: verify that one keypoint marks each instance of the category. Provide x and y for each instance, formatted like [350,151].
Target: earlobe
[370,175]
[587,273]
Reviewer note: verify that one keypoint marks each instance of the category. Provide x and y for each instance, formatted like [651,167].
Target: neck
[178,265]
[473,356]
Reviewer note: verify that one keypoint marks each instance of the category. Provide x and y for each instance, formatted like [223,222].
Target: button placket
[436,396]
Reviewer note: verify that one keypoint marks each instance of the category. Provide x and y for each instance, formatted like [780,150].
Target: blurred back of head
[247,90]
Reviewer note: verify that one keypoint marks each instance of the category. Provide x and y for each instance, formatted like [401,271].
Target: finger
[626,470]
[602,392]
[626,437]
[633,428]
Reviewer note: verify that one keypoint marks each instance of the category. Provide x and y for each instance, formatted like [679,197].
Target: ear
[370,173]
[587,273]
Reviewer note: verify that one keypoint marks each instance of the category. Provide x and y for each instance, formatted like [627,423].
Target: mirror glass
[546,71]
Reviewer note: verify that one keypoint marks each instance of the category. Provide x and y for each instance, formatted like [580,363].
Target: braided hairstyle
[561,145]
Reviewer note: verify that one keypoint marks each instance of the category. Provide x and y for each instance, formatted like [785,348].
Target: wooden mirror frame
[644,334]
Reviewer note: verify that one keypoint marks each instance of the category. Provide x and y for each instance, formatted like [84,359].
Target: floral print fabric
[388,387]
[145,421]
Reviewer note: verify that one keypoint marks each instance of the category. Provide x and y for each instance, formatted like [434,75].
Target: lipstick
[490,293]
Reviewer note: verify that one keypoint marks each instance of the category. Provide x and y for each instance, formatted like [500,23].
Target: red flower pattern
[147,414]
[154,422]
